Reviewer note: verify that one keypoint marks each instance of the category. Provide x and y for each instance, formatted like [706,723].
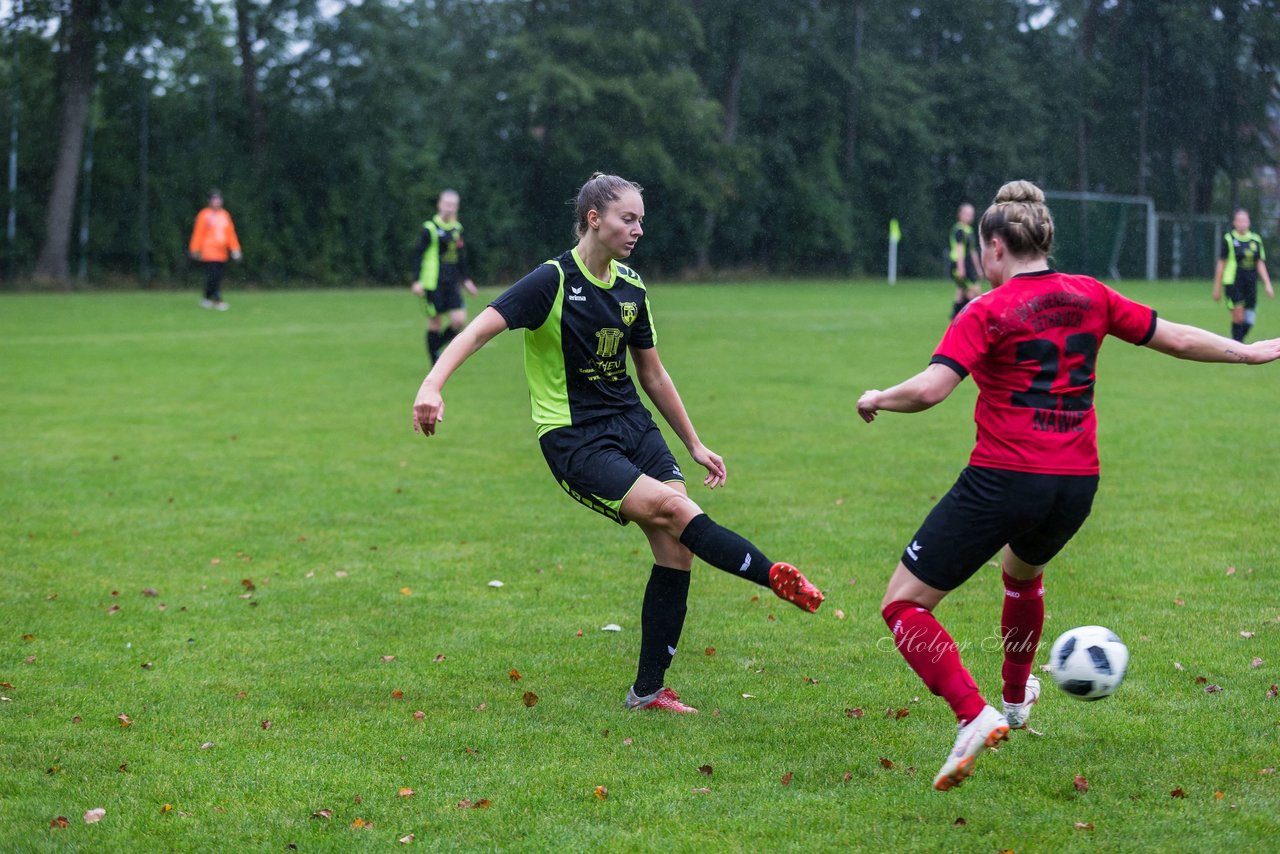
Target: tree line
[770,136]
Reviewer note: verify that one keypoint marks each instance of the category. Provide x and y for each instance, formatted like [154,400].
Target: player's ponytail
[596,195]
[1019,216]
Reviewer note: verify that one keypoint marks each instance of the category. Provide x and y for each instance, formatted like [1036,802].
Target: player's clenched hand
[868,405]
[417,288]
[428,411]
[713,463]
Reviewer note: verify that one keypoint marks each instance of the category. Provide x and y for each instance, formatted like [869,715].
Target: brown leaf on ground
[247,584]
[1084,825]
[206,745]
[75,719]
[28,637]
[150,591]
[809,680]
[166,808]
[360,824]
[755,598]
[602,793]
[1272,692]
[705,770]
[1200,680]
[8,685]
[359,800]
[482,707]
[406,792]
[839,614]
[1213,689]
[397,694]
[627,741]
[419,715]
[405,591]
[1178,793]
[772,618]
[886,763]
[266,724]
[702,790]
[124,720]
[1267,771]
[530,699]
[853,713]
[514,675]
[387,659]
[124,768]
[59,822]
[710,651]
[147,665]
[786,779]
[1081,784]
[94,815]
[240,695]
[439,658]
[897,714]
[1246,635]
[1256,663]
[215,561]
[578,634]
[1231,570]
[30,659]
[406,839]
[114,609]
[959,822]
[848,775]
[1217,796]
[1179,602]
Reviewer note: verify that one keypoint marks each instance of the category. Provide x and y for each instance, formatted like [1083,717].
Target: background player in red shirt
[1031,344]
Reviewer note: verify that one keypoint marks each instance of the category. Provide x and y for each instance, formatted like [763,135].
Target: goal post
[1103,234]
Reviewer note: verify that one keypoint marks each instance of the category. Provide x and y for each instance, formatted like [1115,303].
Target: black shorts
[445,298]
[598,463]
[1243,292]
[1034,514]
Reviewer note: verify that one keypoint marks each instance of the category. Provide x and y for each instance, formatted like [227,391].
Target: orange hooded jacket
[214,235]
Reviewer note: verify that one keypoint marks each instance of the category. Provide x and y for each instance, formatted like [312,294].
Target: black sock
[1244,331]
[433,345]
[661,621]
[725,550]
[1237,332]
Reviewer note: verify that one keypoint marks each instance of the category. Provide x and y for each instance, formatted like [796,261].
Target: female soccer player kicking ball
[583,312]
[1031,344]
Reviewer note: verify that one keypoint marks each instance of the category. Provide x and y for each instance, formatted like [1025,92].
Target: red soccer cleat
[665,700]
[790,584]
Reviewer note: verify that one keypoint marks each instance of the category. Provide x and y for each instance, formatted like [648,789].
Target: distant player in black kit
[963,255]
[1241,261]
[441,267]
[583,313]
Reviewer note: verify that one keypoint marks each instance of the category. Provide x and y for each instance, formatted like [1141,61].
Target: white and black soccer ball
[1088,662]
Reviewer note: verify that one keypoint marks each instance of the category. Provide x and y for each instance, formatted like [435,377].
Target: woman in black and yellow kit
[1241,261]
[963,255]
[441,268]
[582,313]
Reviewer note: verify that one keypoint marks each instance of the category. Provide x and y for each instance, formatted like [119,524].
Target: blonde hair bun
[1020,191]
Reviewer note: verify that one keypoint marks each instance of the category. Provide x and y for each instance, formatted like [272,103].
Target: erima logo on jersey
[671,650]
[913,550]
[576,296]
[746,564]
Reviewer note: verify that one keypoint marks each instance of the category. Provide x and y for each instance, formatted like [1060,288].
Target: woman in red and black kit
[1031,345]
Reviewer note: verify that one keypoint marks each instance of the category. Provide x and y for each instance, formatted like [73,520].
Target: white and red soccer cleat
[791,585]
[664,700]
[987,730]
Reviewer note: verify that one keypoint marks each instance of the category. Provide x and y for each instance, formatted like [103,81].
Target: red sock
[933,655]
[1020,625]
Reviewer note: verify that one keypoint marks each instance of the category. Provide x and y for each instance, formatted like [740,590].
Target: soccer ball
[1088,662]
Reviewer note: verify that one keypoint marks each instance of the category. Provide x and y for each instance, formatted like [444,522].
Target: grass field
[257,471]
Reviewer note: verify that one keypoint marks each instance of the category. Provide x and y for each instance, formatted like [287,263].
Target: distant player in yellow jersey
[1241,261]
[963,256]
[441,268]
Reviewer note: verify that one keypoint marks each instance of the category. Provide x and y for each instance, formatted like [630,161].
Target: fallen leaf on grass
[1217,796]
[247,584]
[809,680]
[361,824]
[853,713]
[439,658]
[611,627]
[397,694]
[148,665]
[530,699]
[124,768]
[206,745]
[341,573]
[1213,689]
[1178,793]
[710,651]
[124,720]
[322,814]
[114,609]
[886,763]
[266,724]
[59,822]
[1267,771]
[1177,665]
[4,699]
[1246,635]
[1179,602]
[702,790]
[748,696]
[1084,825]
[406,591]
[94,816]
[1200,680]
[166,808]
[387,659]
[406,792]
[578,634]
[240,695]
[627,741]
[8,685]
[705,770]
[602,793]
[514,675]
[496,583]
[1272,692]
[896,714]
[847,776]
[419,715]
[1256,663]
[786,779]
[1081,784]
[150,591]
[959,822]
[406,839]
[839,614]
[772,618]
[482,707]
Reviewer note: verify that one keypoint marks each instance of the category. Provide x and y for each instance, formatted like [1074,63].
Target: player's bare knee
[672,511]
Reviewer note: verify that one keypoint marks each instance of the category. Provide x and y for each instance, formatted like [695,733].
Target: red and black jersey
[1032,346]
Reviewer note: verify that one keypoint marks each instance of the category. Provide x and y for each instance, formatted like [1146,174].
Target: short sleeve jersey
[962,248]
[1032,346]
[1241,253]
[577,331]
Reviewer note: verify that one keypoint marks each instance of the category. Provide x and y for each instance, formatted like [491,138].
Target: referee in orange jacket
[212,240]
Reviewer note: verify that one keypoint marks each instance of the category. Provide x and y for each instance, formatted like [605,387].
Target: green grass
[148,444]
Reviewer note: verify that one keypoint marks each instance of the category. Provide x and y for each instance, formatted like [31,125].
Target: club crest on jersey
[628,312]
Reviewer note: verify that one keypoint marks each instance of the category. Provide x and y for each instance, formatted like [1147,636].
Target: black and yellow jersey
[441,248]
[1241,252]
[961,252]
[577,330]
